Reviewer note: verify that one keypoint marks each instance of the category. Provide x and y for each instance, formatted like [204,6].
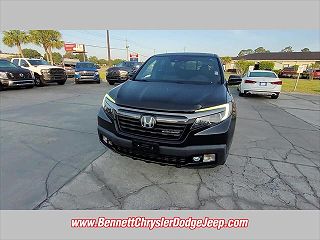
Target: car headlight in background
[96,73]
[45,70]
[123,72]
[4,75]
[77,73]
[32,75]
[219,114]
[106,105]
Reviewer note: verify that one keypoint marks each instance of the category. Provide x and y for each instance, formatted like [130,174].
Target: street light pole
[108,46]
[127,47]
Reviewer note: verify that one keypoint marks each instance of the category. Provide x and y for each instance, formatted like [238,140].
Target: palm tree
[48,39]
[15,38]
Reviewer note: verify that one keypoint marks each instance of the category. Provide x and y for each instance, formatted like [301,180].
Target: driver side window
[23,63]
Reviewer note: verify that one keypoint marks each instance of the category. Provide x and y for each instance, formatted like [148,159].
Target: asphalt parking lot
[51,157]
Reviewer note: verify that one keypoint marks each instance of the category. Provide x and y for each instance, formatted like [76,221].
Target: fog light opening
[106,140]
[209,158]
[196,158]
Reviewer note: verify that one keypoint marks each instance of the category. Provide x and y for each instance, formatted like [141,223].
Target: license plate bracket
[145,147]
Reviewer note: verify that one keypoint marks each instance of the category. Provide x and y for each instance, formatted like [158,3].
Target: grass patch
[304,86]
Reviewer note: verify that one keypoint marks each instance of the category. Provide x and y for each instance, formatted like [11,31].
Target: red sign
[69,47]
[134,55]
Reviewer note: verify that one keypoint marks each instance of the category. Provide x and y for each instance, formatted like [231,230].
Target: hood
[165,96]
[14,70]
[85,69]
[46,66]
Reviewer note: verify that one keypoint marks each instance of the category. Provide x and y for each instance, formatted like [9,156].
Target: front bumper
[79,77]
[117,77]
[8,83]
[214,140]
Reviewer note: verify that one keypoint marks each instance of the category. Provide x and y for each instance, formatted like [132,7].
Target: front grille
[161,130]
[55,74]
[84,73]
[18,76]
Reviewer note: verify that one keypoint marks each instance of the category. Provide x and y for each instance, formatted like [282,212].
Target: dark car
[288,72]
[85,72]
[12,76]
[234,80]
[122,72]
[176,110]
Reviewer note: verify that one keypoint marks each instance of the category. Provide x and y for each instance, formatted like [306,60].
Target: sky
[148,42]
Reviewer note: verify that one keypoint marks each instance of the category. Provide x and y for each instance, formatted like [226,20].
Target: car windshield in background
[181,68]
[128,64]
[7,64]
[85,65]
[36,62]
[263,74]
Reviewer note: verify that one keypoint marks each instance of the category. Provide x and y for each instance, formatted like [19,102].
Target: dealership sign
[75,48]
[134,57]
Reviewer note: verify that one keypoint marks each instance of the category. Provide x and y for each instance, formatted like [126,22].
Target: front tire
[38,81]
[61,82]
[241,94]
[110,82]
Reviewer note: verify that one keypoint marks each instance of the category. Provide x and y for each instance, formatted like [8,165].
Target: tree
[266,65]
[48,39]
[117,61]
[93,59]
[261,50]
[226,60]
[57,58]
[69,55]
[31,53]
[305,50]
[287,49]
[243,65]
[15,38]
[81,56]
[103,61]
[244,52]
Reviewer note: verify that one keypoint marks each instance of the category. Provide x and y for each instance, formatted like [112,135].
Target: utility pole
[108,45]
[127,47]
[154,51]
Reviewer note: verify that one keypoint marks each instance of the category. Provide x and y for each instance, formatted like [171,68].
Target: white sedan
[261,82]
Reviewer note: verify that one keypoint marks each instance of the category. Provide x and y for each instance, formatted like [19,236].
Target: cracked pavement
[274,161]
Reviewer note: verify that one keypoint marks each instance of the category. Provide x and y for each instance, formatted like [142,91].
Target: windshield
[263,74]
[128,64]
[85,65]
[180,68]
[36,62]
[7,64]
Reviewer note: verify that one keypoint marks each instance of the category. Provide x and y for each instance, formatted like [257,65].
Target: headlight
[45,70]
[123,72]
[215,115]
[96,73]
[3,75]
[106,104]
[32,74]
[77,73]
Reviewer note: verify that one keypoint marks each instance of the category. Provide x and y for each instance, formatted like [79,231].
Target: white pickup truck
[43,72]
